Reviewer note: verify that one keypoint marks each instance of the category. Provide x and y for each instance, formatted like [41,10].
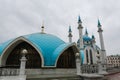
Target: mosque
[46,54]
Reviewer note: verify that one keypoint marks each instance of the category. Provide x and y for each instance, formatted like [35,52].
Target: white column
[78,64]
[23,62]
[99,67]
[22,65]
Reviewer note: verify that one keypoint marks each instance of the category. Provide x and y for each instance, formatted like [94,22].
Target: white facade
[92,53]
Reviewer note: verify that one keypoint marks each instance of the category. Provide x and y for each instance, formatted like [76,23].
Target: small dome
[86,38]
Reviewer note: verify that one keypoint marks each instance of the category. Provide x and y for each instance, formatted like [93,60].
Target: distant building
[113,61]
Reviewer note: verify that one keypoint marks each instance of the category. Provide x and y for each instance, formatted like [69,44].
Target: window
[97,52]
[91,58]
[87,56]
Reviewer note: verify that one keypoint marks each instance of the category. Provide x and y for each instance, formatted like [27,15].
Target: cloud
[21,17]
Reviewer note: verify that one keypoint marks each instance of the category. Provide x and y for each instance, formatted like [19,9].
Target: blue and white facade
[92,52]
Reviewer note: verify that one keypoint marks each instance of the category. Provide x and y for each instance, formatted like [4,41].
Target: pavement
[115,76]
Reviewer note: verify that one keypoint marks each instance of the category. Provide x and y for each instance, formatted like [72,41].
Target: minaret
[102,43]
[80,33]
[70,34]
[78,61]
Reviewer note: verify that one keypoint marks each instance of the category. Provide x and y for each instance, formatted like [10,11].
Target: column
[23,62]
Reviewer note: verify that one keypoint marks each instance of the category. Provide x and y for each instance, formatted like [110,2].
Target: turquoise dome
[48,45]
[86,38]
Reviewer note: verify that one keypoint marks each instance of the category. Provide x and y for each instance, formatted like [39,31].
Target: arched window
[67,59]
[97,52]
[91,58]
[87,59]
[33,57]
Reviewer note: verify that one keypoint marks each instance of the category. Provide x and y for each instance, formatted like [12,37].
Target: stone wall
[50,71]
[13,77]
[13,72]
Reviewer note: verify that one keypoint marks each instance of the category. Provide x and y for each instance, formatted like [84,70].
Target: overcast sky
[21,17]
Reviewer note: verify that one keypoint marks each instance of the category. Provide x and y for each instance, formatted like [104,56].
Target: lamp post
[23,62]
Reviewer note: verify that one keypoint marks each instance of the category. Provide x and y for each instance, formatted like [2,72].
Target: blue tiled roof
[4,45]
[86,38]
[49,45]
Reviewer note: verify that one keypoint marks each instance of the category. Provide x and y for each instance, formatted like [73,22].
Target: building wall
[96,55]
[113,61]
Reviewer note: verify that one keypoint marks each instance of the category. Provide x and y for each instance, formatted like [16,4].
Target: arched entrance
[33,57]
[67,59]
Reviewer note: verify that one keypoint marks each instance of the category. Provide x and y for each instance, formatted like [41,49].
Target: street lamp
[23,62]
[24,52]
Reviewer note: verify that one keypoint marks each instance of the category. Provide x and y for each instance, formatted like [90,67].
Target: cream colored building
[113,61]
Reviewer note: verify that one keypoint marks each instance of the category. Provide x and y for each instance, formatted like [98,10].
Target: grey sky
[21,17]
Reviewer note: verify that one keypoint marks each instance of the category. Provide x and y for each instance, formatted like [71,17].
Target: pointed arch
[13,44]
[66,58]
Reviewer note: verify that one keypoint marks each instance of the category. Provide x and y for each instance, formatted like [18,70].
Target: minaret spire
[42,28]
[86,32]
[70,34]
[99,24]
[79,19]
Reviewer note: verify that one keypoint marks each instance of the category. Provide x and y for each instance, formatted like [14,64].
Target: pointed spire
[99,24]
[93,37]
[79,19]
[70,29]
[86,32]
[70,34]
[42,28]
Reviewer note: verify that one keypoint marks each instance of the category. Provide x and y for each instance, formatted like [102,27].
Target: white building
[90,52]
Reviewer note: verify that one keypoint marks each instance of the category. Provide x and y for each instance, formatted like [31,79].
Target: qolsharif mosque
[45,56]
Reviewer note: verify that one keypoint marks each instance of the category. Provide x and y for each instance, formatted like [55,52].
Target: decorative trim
[71,45]
[21,38]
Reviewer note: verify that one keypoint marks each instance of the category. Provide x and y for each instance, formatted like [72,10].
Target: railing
[15,72]
[8,72]
[89,68]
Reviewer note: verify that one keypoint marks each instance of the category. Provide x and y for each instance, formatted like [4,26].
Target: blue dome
[49,46]
[86,38]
